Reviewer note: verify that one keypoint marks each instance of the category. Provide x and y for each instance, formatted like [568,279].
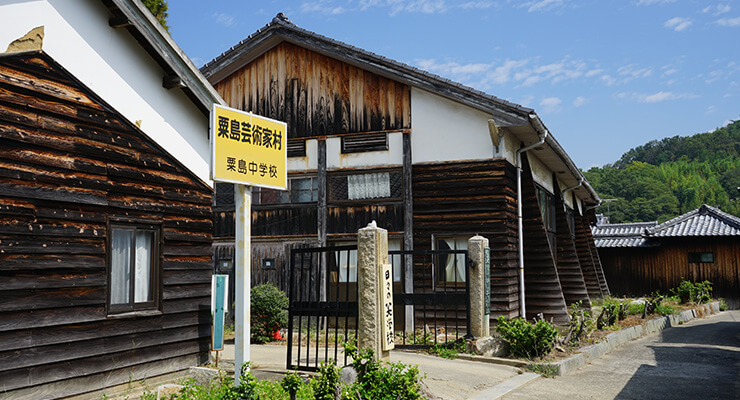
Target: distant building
[105,203]
[432,161]
[703,244]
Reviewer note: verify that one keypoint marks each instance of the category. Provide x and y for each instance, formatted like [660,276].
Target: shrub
[397,381]
[612,310]
[581,324]
[635,308]
[291,383]
[268,312]
[448,350]
[526,339]
[326,384]
[698,293]
[664,309]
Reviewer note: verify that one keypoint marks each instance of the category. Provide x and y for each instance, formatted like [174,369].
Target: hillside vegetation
[663,179]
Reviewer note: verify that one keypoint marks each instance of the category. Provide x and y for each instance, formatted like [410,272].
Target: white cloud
[322,7]
[542,5]
[476,5]
[678,24]
[224,19]
[551,104]
[594,72]
[658,97]
[717,9]
[730,22]
[451,68]
[711,110]
[579,101]
[651,2]
[631,72]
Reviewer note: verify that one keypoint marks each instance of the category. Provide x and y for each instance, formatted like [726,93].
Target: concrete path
[444,379]
[696,360]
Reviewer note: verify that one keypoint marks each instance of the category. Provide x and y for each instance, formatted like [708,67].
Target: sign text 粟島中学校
[248,149]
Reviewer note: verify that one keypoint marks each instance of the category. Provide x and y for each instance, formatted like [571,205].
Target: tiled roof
[622,235]
[704,221]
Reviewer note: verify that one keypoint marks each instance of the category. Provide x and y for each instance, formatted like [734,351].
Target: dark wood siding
[542,290]
[639,271]
[469,198]
[569,266]
[317,95]
[69,164]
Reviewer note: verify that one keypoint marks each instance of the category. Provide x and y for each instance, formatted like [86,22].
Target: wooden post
[408,231]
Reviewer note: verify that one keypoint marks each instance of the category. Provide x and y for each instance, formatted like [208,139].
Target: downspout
[543,135]
[574,187]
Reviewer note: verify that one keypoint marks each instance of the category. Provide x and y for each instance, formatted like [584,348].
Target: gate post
[480,291]
[372,253]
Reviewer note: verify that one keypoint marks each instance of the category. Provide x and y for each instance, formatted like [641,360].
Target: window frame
[548,213]
[440,270]
[697,257]
[155,289]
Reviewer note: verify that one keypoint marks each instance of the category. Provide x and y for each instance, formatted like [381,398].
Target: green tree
[159,10]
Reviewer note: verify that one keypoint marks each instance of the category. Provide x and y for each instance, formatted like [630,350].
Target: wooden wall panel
[568,264]
[69,165]
[317,95]
[542,289]
[639,271]
[469,198]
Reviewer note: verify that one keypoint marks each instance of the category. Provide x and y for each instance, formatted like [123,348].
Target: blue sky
[605,76]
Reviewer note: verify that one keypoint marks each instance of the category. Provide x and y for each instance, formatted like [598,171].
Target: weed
[449,350]
[526,339]
[546,370]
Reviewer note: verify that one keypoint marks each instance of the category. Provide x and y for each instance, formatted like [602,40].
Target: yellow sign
[248,149]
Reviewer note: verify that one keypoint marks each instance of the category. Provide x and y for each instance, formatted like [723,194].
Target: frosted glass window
[368,186]
[452,266]
[120,279]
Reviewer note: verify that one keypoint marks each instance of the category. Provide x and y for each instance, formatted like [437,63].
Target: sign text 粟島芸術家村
[248,149]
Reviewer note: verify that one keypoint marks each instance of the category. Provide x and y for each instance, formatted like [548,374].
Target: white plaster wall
[369,159]
[307,163]
[116,68]
[542,175]
[443,130]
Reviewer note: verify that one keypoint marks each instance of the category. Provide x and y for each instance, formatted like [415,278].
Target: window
[134,266]
[300,190]
[570,215]
[701,257]
[547,208]
[377,185]
[451,267]
[344,263]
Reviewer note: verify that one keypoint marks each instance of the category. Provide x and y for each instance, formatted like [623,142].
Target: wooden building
[105,208]
[703,244]
[432,161]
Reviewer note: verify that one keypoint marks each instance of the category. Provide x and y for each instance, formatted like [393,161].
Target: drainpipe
[576,186]
[543,135]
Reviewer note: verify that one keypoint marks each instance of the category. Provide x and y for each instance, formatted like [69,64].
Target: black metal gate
[431,296]
[431,301]
[322,312]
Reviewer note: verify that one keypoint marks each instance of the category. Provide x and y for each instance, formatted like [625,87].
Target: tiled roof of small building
[704,221]
[622,235]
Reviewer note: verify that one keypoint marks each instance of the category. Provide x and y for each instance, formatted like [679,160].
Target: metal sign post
[243,268]
[247,150]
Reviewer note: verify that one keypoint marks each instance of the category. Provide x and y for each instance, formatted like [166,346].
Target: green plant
[664,309]
[652,304]
[612,310]
[526,339]
[697,292]
[635,308]
[291,383]
[268,312]
[397,381]
[326,383]
[546,370]
[448,350]
[580,326]
[723,304]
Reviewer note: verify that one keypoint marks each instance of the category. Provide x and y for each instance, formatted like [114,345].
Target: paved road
[699,360]
[445,379]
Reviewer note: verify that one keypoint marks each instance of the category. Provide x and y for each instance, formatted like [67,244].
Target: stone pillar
[479,313]
[372,253]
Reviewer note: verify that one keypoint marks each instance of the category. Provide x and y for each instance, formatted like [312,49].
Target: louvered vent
[297,148]
[365,142]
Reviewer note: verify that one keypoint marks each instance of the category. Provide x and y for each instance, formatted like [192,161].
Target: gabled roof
[704,221]
[505,113]
[282,29]
[179,69]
